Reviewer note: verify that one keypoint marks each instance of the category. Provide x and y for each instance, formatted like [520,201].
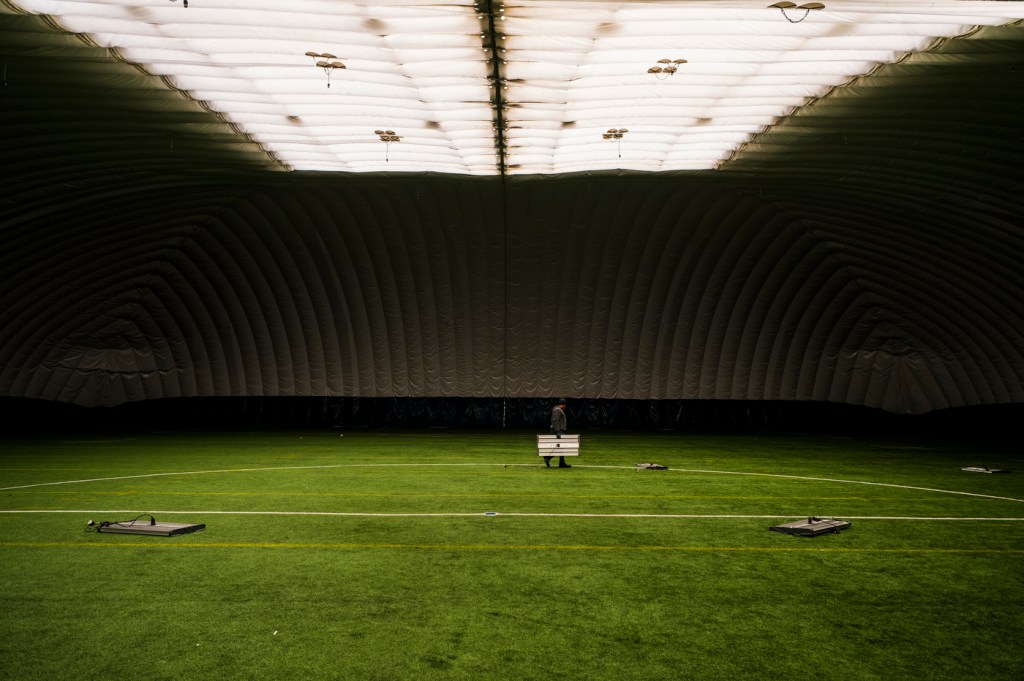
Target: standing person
[558,426]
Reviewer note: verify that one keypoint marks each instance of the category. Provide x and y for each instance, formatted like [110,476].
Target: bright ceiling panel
[584,69]
[531,86]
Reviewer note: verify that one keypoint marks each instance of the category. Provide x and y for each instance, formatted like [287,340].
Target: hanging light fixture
[327,61]
[617,135]
[665,68]
[387,137]
[806,7]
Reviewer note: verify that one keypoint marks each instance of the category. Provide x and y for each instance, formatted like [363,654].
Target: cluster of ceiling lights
[666,67]
[615,134]
[806,7]
[326,61]
[480,87]
[387,137]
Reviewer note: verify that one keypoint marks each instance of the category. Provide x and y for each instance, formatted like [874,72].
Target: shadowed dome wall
[600,287]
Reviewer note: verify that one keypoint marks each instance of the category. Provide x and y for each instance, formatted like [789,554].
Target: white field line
[506,465]
[250,470]
[672,516]
[855,482]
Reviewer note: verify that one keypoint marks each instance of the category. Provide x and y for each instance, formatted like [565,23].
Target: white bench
[552,445]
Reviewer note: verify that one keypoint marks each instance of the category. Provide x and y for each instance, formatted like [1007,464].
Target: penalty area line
[506,465]
[853,482]
[252,470]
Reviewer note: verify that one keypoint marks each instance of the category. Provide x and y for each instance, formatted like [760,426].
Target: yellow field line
[500,547]
[473,514]
[517,514]
[429,495]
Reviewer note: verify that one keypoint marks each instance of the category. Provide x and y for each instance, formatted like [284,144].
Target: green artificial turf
[372,555]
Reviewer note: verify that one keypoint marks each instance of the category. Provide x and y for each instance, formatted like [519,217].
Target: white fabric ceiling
[523,87]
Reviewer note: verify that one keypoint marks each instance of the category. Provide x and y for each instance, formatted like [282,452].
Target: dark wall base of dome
[36,416]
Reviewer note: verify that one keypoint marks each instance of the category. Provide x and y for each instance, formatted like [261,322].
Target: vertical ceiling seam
[492,42]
